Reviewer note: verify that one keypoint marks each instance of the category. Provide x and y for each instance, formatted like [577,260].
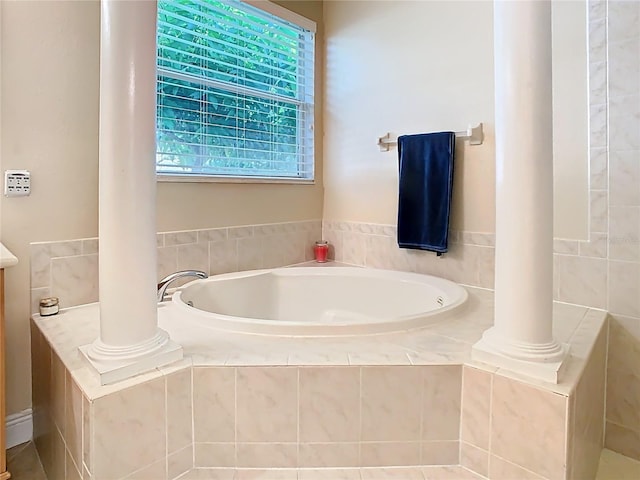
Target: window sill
[214,179]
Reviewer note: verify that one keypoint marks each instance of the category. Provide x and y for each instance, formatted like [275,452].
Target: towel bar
[475,135]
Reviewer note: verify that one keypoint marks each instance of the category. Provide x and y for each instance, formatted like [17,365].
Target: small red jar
[321,249]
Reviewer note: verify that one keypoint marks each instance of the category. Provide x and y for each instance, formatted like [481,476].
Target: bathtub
[317,301]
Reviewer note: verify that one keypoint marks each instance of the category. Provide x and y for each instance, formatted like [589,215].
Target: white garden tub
[313,301]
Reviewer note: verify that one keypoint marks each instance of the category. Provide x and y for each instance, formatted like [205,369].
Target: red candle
[321,249]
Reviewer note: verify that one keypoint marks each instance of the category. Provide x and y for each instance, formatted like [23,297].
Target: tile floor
[614,466]
[24,464]
[389,473]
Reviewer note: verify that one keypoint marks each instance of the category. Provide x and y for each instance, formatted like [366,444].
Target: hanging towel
[426,181]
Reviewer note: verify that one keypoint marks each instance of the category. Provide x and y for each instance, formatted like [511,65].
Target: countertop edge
[7,259]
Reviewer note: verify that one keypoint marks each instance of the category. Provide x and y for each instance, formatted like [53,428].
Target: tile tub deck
[246,401]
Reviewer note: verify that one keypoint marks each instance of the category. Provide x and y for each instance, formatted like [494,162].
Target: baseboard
[19,427]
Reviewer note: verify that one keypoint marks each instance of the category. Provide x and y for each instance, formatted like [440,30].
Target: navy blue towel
[426,181]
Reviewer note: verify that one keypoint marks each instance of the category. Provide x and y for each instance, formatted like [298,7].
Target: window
[235,91]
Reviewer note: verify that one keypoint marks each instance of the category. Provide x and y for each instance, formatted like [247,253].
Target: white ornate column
[521,339]
[130,341]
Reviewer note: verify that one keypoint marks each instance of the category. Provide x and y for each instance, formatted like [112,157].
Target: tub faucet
[164,283]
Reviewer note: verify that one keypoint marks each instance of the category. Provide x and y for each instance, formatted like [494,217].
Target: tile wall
[244,417]
[470,259]
[326,416]
[586,413]
[615,78]
[318,416]
[69,269]
[141,432]
[566,440]
[603,272]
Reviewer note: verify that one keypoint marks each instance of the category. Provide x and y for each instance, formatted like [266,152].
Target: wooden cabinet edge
[3,440]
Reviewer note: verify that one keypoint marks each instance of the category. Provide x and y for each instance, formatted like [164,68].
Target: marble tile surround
[291,417]
[496,412]
[580,267]
[470,260]
[233,404]
[80,440]
[603,272]
[615,39]
[69,269]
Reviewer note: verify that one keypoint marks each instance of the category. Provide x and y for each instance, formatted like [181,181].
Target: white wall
[411,67]
[49,111]
[395,66]
[570,120]
[406,67]
[185,206]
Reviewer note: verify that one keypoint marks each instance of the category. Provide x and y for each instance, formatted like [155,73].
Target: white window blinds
[235,92]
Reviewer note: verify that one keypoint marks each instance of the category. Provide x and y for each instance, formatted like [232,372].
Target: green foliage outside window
[229,95]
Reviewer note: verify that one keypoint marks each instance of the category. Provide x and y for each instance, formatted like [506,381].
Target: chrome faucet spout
[166,281]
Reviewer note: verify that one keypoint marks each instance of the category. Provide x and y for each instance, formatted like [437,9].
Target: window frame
[309,25]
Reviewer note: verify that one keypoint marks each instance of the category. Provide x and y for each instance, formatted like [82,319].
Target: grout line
[489,442]
[536,475]
[607,132]
[297,416]
[606,378]
[569,431]
[423,386]
[193,411]
[360,369]
[166,425]
[626,427]
[462,403]
[235,417]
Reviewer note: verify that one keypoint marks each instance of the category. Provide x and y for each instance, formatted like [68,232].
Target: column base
[543,362]
[113,364]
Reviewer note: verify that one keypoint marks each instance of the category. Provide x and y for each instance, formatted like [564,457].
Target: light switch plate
[17,183]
